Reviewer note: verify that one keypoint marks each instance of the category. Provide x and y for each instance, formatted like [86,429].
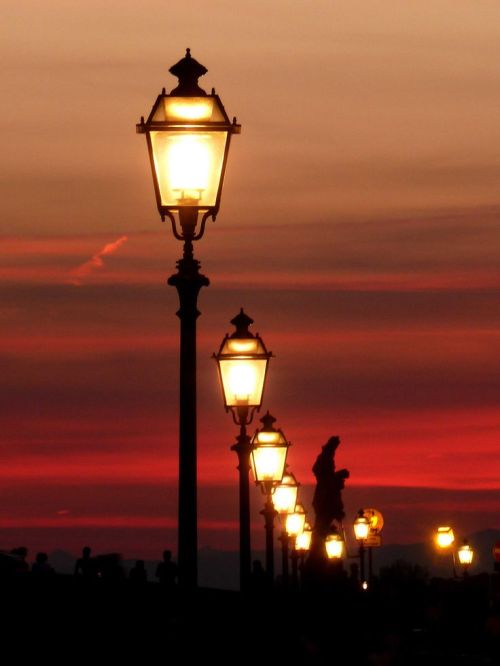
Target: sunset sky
[359,227]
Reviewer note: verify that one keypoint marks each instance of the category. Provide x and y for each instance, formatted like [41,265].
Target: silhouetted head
[86,551]
[332,444]
[167,555]
[41,558]
[21,552]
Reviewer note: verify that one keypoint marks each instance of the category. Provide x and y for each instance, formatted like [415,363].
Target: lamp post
[242,361]
[269,449]
[301,545]
[295,526]
[361,530]
[285,499]
[465,557]
[188,134]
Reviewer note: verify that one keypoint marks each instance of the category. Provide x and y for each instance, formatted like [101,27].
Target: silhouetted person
[258,577]
[41,566]
[86,566]
[20,554]
[327,500]
[167,571]
[138,573]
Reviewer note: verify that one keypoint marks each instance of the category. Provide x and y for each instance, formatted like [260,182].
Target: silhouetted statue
[41,566]
[86,565]
[138,573]
[327,500]
[167,571]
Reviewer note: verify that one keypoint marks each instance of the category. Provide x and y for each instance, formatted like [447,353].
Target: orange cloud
[95,262]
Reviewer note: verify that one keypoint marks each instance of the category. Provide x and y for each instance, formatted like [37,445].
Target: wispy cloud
[95,262]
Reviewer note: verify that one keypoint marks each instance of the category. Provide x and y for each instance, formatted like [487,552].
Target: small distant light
[364,585]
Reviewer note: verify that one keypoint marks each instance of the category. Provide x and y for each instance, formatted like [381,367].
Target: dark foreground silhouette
[403,620]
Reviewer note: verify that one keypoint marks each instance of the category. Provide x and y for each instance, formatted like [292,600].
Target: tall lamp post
[361,531]
[242,361]
[285,499]
[269,449]
[188,134]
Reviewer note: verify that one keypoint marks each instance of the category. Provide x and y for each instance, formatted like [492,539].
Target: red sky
[359,227]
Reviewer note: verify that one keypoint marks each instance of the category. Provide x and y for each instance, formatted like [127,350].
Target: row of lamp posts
[188,134]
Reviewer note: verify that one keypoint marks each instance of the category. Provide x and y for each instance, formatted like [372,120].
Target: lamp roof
[188,71]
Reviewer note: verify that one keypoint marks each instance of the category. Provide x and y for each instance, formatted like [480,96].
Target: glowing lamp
[269,449]
[242,361]
[285,494]
[334,546]
[296,521]
[465,554]
[303,540]
[361,526]
[444,537]
[188,134]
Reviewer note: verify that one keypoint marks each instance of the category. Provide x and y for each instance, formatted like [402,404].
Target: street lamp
[334,545]
[242,361]
[300,546]
[361,531]
[269,449]
[188,134]
[445,538]
[465,557]
[285,499]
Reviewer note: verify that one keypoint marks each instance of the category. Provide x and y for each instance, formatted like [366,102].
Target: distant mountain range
[220,569]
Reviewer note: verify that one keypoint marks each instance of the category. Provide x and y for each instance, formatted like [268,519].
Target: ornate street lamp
[334,545]
[301,544]
[294,526]
[188,134]
[284,500]
[303,540]
[361,531]
[268,457]
[242,361]
[444,537]
[465,557]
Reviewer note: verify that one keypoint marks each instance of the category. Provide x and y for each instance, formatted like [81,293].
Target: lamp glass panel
[284,498]
[444,537]
[188,109]
[303,540]
[361,528]
[269,463]
[188,166]
[295,523]
[465,554]
[243,381]
[334,547]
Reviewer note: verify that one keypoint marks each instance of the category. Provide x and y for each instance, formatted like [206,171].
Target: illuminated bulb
[364,585]
[268,463]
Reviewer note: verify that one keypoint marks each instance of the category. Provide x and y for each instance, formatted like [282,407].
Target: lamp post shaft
[243,448]
[295,568]
[284,554]
[188,281]
[269,512]
[362,562]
